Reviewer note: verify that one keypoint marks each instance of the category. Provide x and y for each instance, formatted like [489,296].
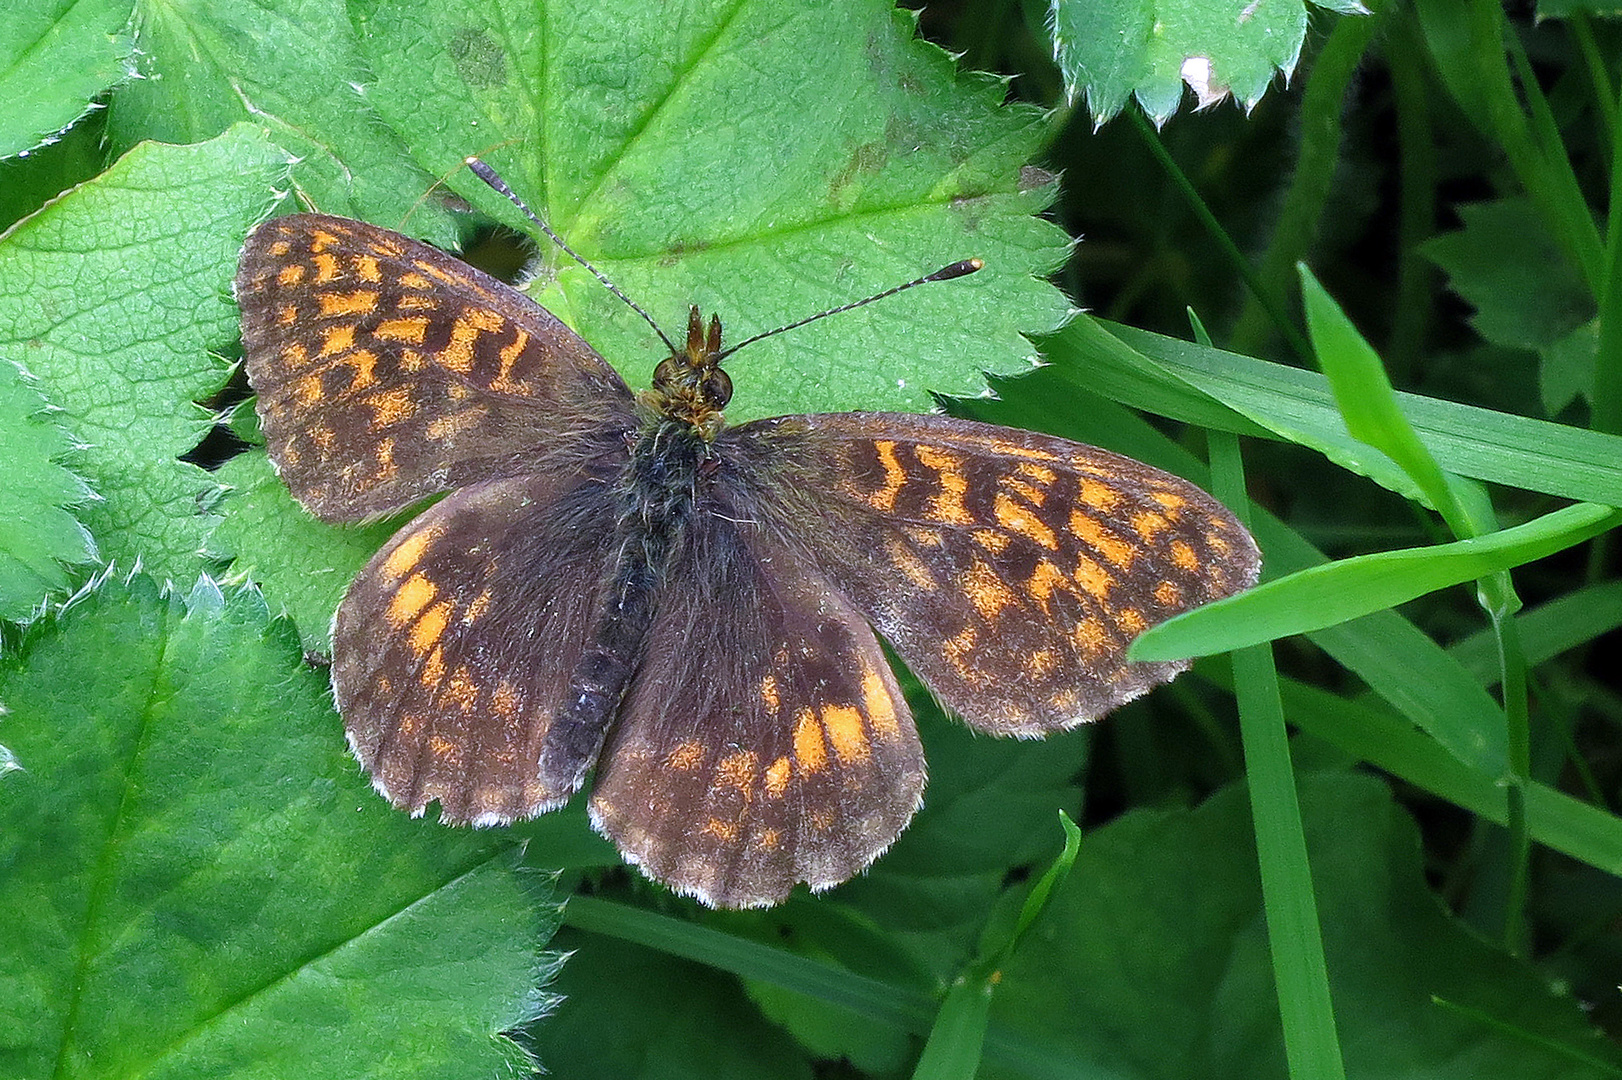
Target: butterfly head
[689,385]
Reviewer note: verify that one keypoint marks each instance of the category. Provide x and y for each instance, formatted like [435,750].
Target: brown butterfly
[623,580]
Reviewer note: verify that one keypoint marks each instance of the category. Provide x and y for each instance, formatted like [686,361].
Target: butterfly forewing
[452,649]
[1009,570]
[387,370]
[764,741]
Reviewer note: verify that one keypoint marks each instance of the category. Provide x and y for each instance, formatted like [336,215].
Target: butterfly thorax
[688,385]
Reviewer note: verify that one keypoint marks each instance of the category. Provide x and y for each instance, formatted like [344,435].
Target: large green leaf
[198,883]
[693,155]
[113,297]
[590,113]
[293,66]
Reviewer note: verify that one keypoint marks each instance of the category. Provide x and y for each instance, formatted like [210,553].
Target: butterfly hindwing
[764,741]
[453,648]
[388,370]
[1010,570]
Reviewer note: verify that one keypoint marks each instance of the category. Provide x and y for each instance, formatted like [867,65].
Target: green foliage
[39,538]
[1148,50]
[197,882]
[56,59]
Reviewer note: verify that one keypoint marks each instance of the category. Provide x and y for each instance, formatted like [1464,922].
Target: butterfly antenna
[945,273]
[489,176]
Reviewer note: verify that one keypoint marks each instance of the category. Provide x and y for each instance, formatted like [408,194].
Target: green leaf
[55,59]
[187,821]
[1110,50]
[293,66]
[1365,400]
[1153,960]
[39,537]
[1506,264]
[631,1013]
[780,208]
[1351,588]
[112,298]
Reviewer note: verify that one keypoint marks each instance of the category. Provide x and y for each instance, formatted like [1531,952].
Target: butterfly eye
[667,373]
[718,388]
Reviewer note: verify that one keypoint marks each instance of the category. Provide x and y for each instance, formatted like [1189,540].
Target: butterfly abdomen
[656,494]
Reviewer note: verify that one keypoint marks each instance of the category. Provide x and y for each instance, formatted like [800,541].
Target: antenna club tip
[957,270]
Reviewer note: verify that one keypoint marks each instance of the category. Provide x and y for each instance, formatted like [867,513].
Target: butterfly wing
[453,648]
[1010,570]
[764,741]
[388,370]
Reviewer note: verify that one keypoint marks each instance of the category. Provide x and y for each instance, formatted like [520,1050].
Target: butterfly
[624,582]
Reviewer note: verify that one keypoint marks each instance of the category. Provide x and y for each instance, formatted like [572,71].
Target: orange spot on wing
[948,505]
[844,726]
[894,476]
[986,591]
[1092,577]
[411,330]
[1090,530]
[723,830]
[392,406]
[407,553]
[509,356]
[457,355]
[1017,518]
[410,599]
[445,751]
[1148,524]
[430,628]
[475,611]
[460,690]
[433,668]
[777,777]
[1099,496]
[337,339]
[737,771]
[810,749]
[911,566]
[346,305]
[686,757]
[880,708]
[1045,579]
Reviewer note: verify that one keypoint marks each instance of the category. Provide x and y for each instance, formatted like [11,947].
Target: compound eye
[718,388]
[668,371]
